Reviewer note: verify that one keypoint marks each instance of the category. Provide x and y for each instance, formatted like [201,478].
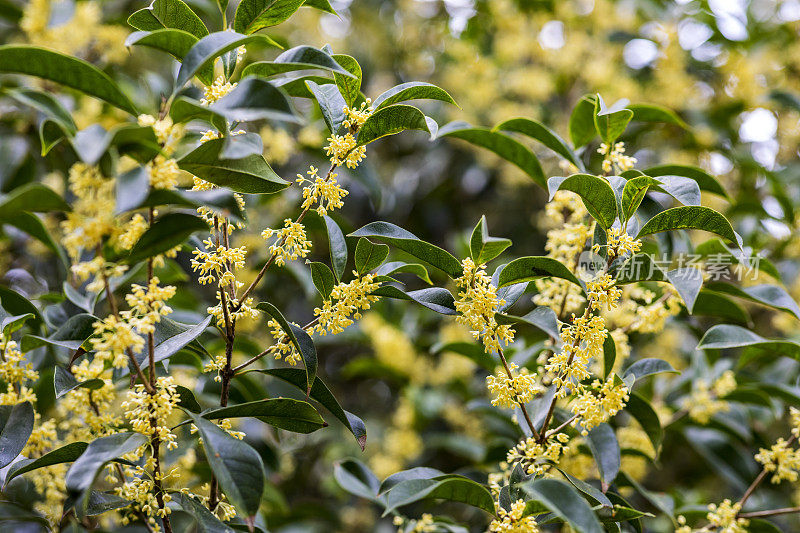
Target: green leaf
[35,227]
[349,83]
[251,174]
[85,469]
[165,233]
[610,121]
[589,490]
[609,355]
[237,466]
[773,296]
[175,42]
[434,298]
[413,90]
[16,424]
[254,15]
[369,256]
[321,393]
[420,472]
[484,248]
[596,193]
[44,103]
[12,324]
[51,133]
[219,200]
[16,304]
[725,336]
[64,382]
[391,120]
[604,447]
[685,190]
[64,454]
[633,193]
[66,70]
[356,478]
[212,46]
[688,282]
[206,521]
[184,109]
[411,244]
[647,367]
[331,104]
[534,267]
[581,121]
[543,318]
[337,246]
[168,14]
[398,267]
[640,409]
[710,303]
[71,334]
[509,149]
[536,130]
[255,99]
[186,399]
[691,217]
[656,113]
[176,342]
[565,502]
[301,341]
[323,278]
[297,58]
[449,487]
[284,413]
[704,180]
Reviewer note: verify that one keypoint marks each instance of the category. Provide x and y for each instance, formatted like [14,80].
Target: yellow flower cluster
[477,304]
[536,457]
[724,516]
[113,337]
[602,291]
[216,91]
[291,242]
[282,347]
[14,371]
[780,459]
[615,157]
[620,243]
[355,118]
[347,299]
[92,216]
[163,169]
[140,490]
[325,191]
[212,263]
[149,412]
[148,304]
[344,150]
[705,402]
[168,134]
[513,521]
[164,172]
[510,391]
[131,232]
[582,341]
[422,525]
[596,406]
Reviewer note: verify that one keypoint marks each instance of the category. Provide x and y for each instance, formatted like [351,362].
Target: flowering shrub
[166,367]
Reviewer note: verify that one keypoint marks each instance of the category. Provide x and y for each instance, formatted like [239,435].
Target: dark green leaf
[331,103]
[166,233]
[655,113]
[581,121]
[64,454]
[509,149]
[284,413]
[691,217]
[337,246]
[409,243]
[253,15]
[610,121]
[16,424]
[237,466]
[434,298]
[564,501]
[633,194]
[251,174]
[168,14]
[369,256]
[297,58]
[16,304]
[596,193]
[643,412]
[356,478]
[255,99]
[704,180]
[773,296]
[450,487]
[64,382]
[175,42]
[484,248]
[323,278]
[66,70]
[349,83]
[45,103]
[604,446]
[206,521]
[413,90]
[609,355]
[85,469]
[647,367]
[391,120]
[687,281]
[533,267]
[726,336]
[301,341]
[398,267]
[71,334]
[536,130]
[33,197]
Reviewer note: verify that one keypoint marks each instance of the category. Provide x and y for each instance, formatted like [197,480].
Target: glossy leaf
[640,409]
[350,84]
[356,478]
[413,90]
[656,113]
[168,14]
[331,104]
[533,267]
[323,279]
[484,248]
[16,424]
[726,336]
[66,70]
[449,488]
[237,466]
[301,341]
[566,503]
[255,99]
[647,367]
[603,444]
[595,192]
[704,180]
[581,122]
[633,193]
[64,382]
[610,121]
[509,149]
[688,282]
[166,232]
[297,58]
[411,244]
[691,217]
[173,41]
[251,174]
[773,296]
[434,298]
[64,454]
[253,15]
[391,120]
[284,413]
[337,247]
[369,256]
[536,130]
[85,469]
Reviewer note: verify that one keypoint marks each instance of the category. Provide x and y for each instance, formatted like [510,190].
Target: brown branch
[770,512]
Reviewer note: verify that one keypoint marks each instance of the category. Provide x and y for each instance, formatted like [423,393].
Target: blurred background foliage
[729,68]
